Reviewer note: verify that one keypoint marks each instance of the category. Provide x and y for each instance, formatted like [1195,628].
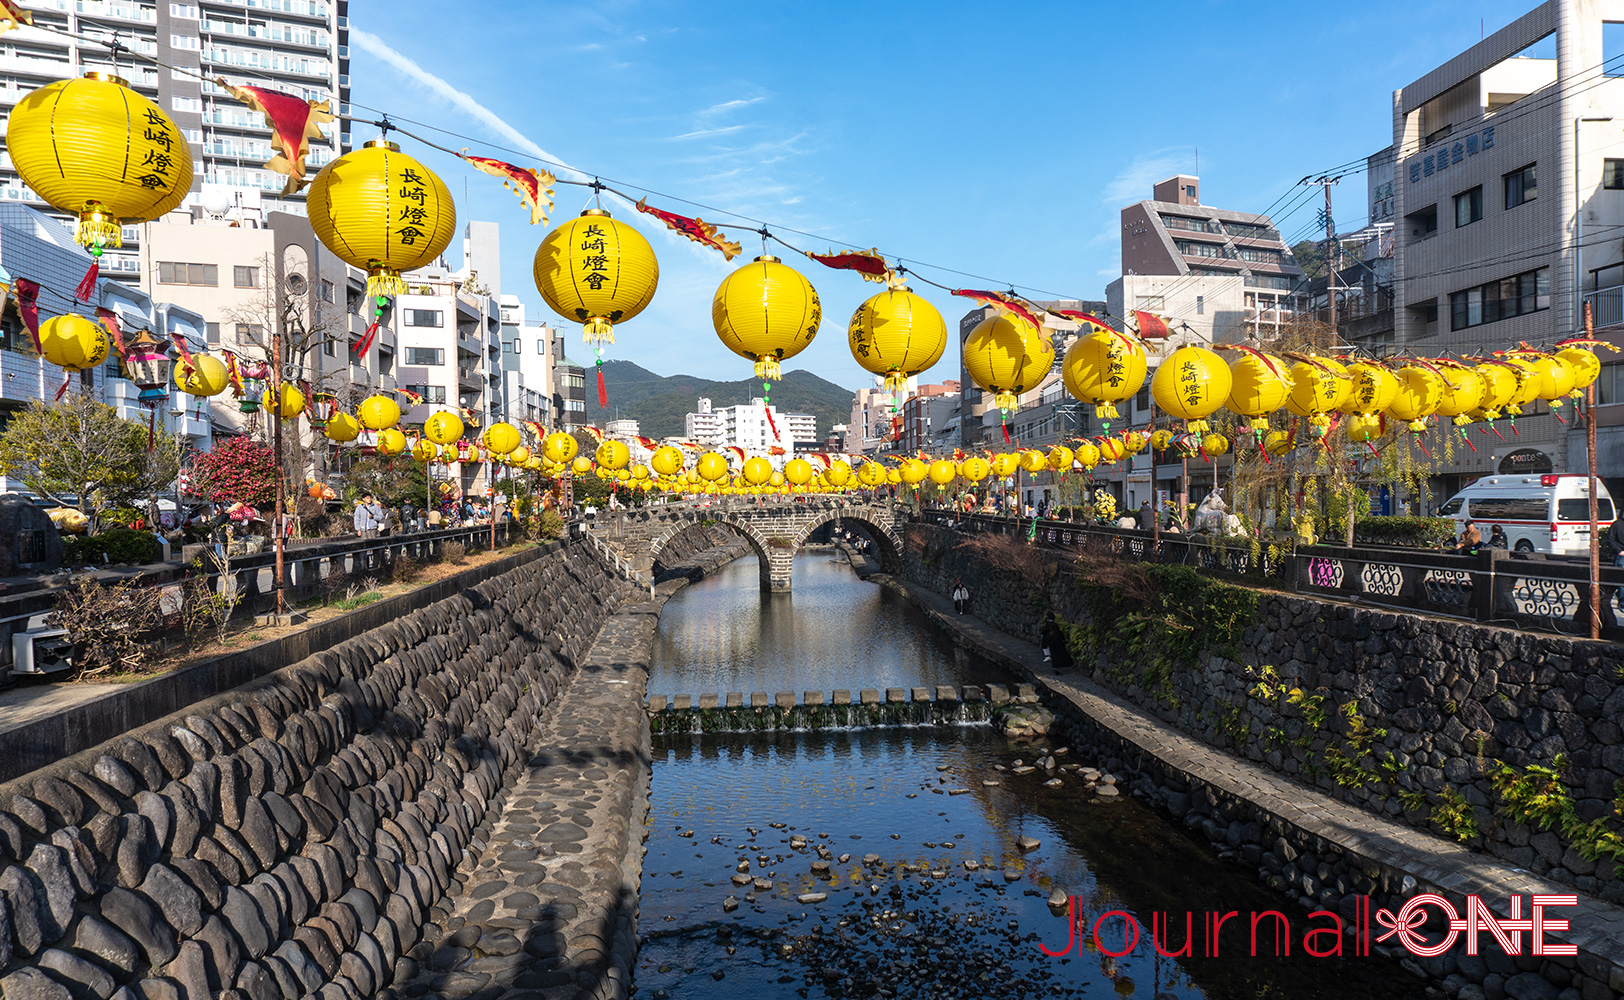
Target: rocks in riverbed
[1023,720]
[1028,843]
[811,897]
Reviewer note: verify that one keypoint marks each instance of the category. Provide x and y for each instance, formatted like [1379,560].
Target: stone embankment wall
[294,836]
[1443,703]
[697,552]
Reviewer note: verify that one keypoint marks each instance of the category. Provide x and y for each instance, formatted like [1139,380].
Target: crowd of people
[373,519]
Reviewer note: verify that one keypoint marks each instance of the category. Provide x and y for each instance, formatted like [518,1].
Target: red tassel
[1558,416]
[67,379]
[1005,428]
[360,347]
[1424,450]
[152,427]
[603,392]
[87,285]
[773,424]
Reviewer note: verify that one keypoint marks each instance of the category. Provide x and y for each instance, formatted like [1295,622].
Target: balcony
[470,378]
[1606,306]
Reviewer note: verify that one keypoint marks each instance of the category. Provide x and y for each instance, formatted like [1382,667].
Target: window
[1514,296]
[1451,508]
[1189,190]
[1251,231]
[1578,509]
[1509,508]
[326,292]
[1468,207]
[183,10]
[250,333]
[329,347]
[1520,186]
[430,393]
[1149,303]
[245,277]
[575,405]
[1200,305]
[187,274]
[425,355]
[185,42]
[1187,223]
[424,317]
[213,332]
[1192,249]
[186,104]
[541,346]
[1423,223]
[1612,174]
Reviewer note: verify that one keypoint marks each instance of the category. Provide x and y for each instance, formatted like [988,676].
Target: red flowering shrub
[239,468]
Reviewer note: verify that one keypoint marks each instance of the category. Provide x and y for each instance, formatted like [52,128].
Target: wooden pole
[276,446]
[1590,456]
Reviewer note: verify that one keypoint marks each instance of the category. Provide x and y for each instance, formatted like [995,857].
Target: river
[910,835]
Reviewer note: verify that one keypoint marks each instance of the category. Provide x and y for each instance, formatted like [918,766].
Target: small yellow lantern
[1004,465]
[1277,442]
[1033,460]
[776,479]
[711,467]
[766,311]
[896,334]
[98,150]
[1364,427]
[74,343]
[205,376]
[425,451]
[289,406]
[378,412]
[1134,442]
[382,211]
[942,472]
[613,455]
[1086,455]
[872,474]
[342,428]
[581,465]
[1215,445]
[518,456]
[559,447]
[1191,384]
[839,474]
[1060,458]
[975,469]
[667,461]
[1586,367]
[391,441]
[1112,449]
[798,471]
[442,427]
[912,472]
[597,272]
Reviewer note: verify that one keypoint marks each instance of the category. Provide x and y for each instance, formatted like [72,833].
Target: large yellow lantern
[1371,389]
[1554,376]
[502,438]
[378,412]
[290,405]
[872,474]
[896,334]
[206,375]
[1060,458]
[711,467]
[1527,385]
[757,470]
[798,471]
[74,343]
[382,211]
[1318,386]
[1104,368]
[942,472]
[838,474]
[1033,460]
[98,150]
[667,461]
[559,447]
[766,311]
[1086,455]
[1463,389]
[1007,355]
[894,477]
[596,271]
[1420,391]
[442,427]
[1499,388]
[1191,384]
[425,451]
[1259,385]
[1112,449]
[391,441]
[912,472]
[613,455]
[974,469]
[342,428]
[1586,367]
[1004,465]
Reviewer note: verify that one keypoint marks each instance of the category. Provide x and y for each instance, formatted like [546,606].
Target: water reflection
[832,631]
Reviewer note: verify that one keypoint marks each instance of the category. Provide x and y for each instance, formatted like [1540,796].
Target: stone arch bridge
[776,530]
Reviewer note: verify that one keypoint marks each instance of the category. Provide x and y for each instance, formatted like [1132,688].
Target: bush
[549,525]
[1408,532]
[117,545]
[454,553]
[109,626]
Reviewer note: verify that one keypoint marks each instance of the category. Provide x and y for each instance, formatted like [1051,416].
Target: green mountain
[660,402]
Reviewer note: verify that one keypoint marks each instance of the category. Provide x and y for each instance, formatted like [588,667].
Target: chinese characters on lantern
[596,262]
[1190,383]
[414,214]
[159,163]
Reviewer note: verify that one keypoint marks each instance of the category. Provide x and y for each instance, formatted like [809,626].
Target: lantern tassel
[603,391]
[1006,401]
[767,369]
[87,285]
[67,379]
[896,382]
[98,229]
[152,427]
[598,330]
[385,281]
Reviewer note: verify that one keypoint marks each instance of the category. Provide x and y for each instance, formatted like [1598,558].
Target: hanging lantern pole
[276,447]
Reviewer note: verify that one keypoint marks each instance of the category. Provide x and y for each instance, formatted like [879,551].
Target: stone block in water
[784,699]
[682,702]
[896,694]
[921,694]
[972,693]
[869,696]
[812,698]
[842,698]
[656,703]
[758,699]
[997,693]
[707,701]
[946,692]
[735,700]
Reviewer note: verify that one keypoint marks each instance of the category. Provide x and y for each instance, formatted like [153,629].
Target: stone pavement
[1434,863]
[34,700]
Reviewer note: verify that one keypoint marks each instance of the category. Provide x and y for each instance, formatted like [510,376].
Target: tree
[393,481]
[80,453]
[238,469]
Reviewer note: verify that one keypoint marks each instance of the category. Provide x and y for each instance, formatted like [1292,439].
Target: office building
[926,418]
[298,47]
[622,430]
[802,428]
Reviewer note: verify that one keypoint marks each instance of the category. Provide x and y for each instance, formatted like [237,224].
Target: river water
[910,835]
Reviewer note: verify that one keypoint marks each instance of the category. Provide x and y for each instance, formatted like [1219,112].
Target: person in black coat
[1054,643]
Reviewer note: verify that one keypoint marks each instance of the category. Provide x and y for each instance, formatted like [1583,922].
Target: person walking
[368,517]
[961,595]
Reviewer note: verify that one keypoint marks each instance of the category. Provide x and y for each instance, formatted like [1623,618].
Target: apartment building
[874,416]
[527,366]
[924,417]
[748,426]
[298,47]
[802,428]
[705,425]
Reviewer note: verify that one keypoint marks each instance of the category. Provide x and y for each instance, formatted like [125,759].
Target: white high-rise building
[298,47]
[704,426]
[799,427]
[748,426]
[622,430]
[527,366]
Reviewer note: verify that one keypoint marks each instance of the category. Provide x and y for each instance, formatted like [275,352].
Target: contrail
[378,47]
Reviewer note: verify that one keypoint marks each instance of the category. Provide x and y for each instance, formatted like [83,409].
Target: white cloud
[701,133]
[1133,183]
[716,109]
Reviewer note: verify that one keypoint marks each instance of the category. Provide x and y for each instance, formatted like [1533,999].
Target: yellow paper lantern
[1112,449]
[442,427]
[622,475]
[975,469]
[425,451]
[1086,455]
[1191,384]
[382,211]
[1419,393]
[711,467]
[872,474]
[378,412]
[1004,465]
[98,150]
[1007,355]
[289,406]
[517,456]
[798,471]
[639,471]
[1499,388]
[75,343]
[766,311]
[1278,443]
[757,470]
[1586,367]
[581,465]
[596,271]
[1527,385]
[342,428]
[1104,368]
[1215,445]
[667,461]
[839,474]
[776,479]
[1161,440]
[613,455]
[559,447]
[1463,389]
[1134,442]
[912,472]
[1060,458]
[1033,460]
[896,334]
[1371,389]
[1555,378]
[391,441]
[942,472]
[1259,385]
[501,438]
[1318,386]
[207,375]
[893,477]
[1364,427]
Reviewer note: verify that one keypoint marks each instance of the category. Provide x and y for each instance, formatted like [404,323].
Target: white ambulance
[1549,513]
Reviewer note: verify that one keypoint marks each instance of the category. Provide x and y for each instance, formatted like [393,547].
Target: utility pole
[1590,456]
[276,446]
[1333,251]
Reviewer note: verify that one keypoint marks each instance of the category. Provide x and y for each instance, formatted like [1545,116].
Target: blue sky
[1000,140]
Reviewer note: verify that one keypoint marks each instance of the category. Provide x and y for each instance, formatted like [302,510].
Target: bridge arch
[878,524]
[742,528]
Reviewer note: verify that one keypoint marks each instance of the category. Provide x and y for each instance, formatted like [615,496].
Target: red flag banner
[735,451]
[868,263]
[1088,320]
[539,431]
[1151,326]
[1001,301]
[28,308]
[647,442]
[534,187]
[293,121]
[413,398]
[13,16]
[774,450]
[109,319]
[697,230]
[597,435]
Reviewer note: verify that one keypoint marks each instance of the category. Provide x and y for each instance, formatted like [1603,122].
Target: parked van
[1549,513]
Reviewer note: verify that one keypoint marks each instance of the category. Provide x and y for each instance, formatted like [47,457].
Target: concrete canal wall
[346,823]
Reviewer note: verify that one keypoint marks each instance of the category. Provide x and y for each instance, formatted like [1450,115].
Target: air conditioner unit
[41,651]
